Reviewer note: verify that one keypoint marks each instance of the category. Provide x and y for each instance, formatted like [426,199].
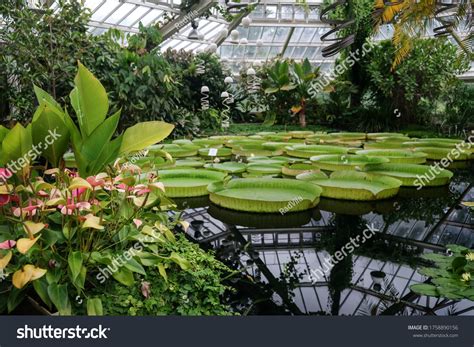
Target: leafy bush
[428,74]
[143,83]
[452,276]
[196,292]
[42,48]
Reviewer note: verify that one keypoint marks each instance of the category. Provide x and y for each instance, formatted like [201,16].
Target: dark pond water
[276,254]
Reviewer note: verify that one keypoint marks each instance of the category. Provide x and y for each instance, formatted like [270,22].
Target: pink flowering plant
[64,232]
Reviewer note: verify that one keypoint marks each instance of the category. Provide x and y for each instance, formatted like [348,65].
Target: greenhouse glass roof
[286,28]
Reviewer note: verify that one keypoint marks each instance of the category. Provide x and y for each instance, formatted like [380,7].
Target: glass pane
[309,52]
[105,10]
[307,34]
[298,52]
[271,12]
[286,12]
[120,13]
[273,52]
[259,12]
[254,33]
[134,16]
[262,52]
[281,34]
[150,17]
[296,35]
[226,51]
[288,52]
[300,13]
[268,33]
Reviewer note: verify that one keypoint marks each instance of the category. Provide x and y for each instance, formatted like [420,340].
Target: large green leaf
[16,144]
[43,97]
[352,185]
[94,145]
[94,307]
[59,296]
[89,100]
[124,276]
[424,289]
[183,183]
[267,195]
[75,263]
[47,123]
[144,134]
[108,155]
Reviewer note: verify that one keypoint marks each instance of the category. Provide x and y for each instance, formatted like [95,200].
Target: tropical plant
[42,48]
[92,141]
[411,21]
[65,236]
[288,86]
[429,72]
[451,277]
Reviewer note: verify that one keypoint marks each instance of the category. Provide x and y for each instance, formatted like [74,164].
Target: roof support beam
[287,41]
[172,27]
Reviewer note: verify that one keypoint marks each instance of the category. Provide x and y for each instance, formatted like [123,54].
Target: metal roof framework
[286,28]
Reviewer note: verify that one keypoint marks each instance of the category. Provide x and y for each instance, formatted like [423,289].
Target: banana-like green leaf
[89,100]
[16,147]
[94,144]
[145,134]
[43,97]
[46,122]
[265,195]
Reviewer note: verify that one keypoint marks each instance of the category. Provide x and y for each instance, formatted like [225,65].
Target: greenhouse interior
[236,158]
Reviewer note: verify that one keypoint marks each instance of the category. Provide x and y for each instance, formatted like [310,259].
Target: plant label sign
[212,152]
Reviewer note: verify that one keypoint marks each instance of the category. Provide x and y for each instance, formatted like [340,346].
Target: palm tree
[412,18]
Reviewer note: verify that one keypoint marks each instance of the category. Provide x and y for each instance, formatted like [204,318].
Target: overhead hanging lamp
[194,33]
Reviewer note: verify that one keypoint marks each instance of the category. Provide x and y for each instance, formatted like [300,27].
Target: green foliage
[427,74]
[195,291]
[143,83]
[287,90]
[42,48]
[452,276]
[92,141]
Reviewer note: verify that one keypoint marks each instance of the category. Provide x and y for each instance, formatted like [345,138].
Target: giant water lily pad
[440,153]
[334,162]
[264,169]
[176,151]
[265,195]
[413,175]
[188,183]
[396,156]
[300,134]
[351,185]
[299,168]
[194,163]
[254,150]
[229,167]
[308,151]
